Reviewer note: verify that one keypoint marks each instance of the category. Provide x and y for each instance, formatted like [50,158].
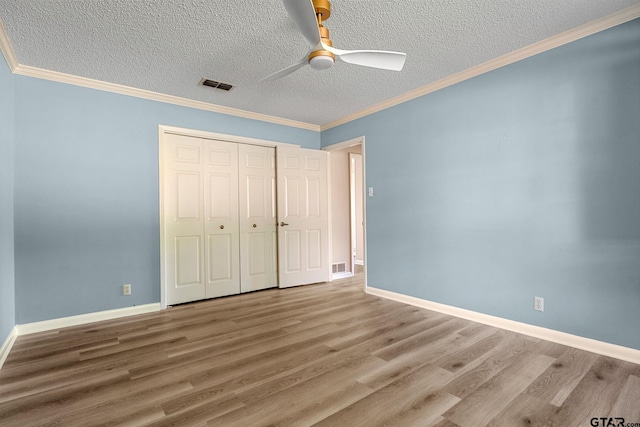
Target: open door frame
[339,146]
[354,189]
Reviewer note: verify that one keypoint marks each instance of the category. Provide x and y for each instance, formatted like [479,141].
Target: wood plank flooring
[325,355]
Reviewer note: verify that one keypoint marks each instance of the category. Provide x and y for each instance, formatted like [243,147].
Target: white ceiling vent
[216,85]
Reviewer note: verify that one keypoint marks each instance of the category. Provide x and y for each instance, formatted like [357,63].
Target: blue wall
[7,278]
[518,183]
[86,194]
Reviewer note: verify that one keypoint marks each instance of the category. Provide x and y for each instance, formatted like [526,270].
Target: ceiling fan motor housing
[322,59]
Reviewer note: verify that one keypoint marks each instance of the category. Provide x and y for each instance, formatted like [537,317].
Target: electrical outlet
[126,289]
[538,303]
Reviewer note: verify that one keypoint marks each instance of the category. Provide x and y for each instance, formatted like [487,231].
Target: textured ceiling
[168,46]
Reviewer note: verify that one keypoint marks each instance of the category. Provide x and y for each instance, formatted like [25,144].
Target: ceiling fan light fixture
[321,60]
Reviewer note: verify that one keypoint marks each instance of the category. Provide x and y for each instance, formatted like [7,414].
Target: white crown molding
[7,48]
[55,76]
[569,36]
[582,343]
[8,343]
[65,322]
[39,73]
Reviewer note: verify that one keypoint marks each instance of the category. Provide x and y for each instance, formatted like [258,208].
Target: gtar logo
[607,422]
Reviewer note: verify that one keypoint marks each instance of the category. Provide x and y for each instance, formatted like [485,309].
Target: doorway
[348,219]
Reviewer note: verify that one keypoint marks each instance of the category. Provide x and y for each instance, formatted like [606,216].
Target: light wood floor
[326,355]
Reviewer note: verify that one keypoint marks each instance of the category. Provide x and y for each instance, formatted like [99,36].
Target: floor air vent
[339,267]
[216,85]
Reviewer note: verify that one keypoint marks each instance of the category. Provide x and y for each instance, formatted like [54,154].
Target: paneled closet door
[221,225]
[258,251]
[183,217]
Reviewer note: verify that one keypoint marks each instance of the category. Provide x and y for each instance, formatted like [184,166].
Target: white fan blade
[303,14]
[290,69]
[370,58]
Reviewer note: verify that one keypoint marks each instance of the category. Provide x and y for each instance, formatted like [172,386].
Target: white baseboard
[344,275]
[582,343]
[6,346]
[358,262]
[63,322]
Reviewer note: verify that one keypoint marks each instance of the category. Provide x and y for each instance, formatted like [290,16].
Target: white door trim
[339,146]
[163,130]
[353,191]
[345,144]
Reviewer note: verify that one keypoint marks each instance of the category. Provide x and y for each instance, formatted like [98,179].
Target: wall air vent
[216,85]
[339,267]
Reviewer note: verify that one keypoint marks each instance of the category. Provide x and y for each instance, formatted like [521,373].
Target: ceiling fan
[308,16]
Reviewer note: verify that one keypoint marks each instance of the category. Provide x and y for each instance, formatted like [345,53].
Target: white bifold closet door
[221,226]
[258,240]
[218,218]
[183,214]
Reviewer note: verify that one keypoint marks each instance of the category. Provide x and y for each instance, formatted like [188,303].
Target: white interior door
[183,216]
[257,178]
[303,225]
[221,224]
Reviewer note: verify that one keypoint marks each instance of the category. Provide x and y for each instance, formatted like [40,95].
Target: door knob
[282,224]
[254,226]
[222,227]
